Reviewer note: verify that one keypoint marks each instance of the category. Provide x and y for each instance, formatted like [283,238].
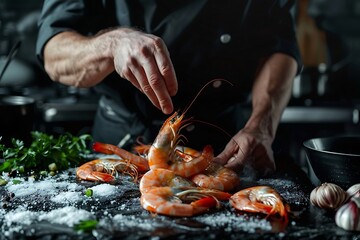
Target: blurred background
[325,97]
[59,108]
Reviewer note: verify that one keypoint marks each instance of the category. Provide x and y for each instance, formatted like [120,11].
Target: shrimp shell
[104,170]
[217,177]
[260,199]
[181,202]
[140,162]
[162,177]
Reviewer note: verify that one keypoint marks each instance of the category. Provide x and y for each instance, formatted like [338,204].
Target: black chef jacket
[207,39]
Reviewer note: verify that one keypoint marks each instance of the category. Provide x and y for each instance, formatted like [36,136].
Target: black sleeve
[85,17]
[278,32]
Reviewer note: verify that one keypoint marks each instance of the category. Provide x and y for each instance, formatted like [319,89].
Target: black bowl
[335,159]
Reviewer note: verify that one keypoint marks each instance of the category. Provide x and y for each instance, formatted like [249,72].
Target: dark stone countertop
[120,215]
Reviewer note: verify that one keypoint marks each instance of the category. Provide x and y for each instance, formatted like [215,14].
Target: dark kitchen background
[325,97]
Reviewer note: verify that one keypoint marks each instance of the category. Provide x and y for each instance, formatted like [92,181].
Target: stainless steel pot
[17,117]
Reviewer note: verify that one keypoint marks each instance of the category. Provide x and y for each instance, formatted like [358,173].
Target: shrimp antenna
[215,126]
[202,89]
[221,129]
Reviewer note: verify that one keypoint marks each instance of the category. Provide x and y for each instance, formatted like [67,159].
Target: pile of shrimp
[180,181]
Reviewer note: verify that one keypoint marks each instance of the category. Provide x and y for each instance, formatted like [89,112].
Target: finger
[140,76]
[226,154]
[128,75]
[238,160]
[235,163]
[166,68]
[229,150]
[220,160]
[156,86]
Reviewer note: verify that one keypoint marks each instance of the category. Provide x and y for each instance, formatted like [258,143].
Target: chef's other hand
[144,60]
[248,149]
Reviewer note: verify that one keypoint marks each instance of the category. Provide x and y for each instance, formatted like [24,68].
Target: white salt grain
[20,215]
[68,197]
[67,215]
[104,189]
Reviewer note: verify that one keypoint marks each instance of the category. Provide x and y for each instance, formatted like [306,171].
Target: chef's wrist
[261,125]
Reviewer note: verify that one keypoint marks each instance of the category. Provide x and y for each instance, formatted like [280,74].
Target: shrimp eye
[173,120]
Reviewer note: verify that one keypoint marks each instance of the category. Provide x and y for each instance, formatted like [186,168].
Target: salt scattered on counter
[104,189]
[68,197]
[121,221]
[67,215]
[20,216]
[232,222]
[46,187]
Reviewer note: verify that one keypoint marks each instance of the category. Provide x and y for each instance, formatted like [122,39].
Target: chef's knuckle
[155,81]
[158,43]
[145,52]
[147,89]
[166,69]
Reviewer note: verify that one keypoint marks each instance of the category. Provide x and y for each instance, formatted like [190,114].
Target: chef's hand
[248,148]
[143,59]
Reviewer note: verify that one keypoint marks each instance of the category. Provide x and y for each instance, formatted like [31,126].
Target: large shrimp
[162,153]
[160,177]
[217,177]
[181,202]
[260,199]
[140,162]
[164,192]
[184,152]
[105,170]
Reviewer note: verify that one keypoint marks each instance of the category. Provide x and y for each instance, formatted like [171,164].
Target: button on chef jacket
[207,39]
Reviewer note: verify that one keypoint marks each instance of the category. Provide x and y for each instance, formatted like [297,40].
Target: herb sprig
[65,151]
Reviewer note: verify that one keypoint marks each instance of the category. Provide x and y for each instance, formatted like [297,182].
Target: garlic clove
[354,191]
[347,217]
[328,196]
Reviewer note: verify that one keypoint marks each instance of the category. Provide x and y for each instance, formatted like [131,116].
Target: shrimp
[184,152]
[217,177]
[140,162]
[164,192]
[181,203]
[260,199]
[160,177]
[162,151]
[103,170]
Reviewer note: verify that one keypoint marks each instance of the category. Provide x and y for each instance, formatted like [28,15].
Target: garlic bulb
[328,196]
[347,217]
[353,191]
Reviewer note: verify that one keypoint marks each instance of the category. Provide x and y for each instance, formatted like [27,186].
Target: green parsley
[86,225]
[89,192]
[64,151]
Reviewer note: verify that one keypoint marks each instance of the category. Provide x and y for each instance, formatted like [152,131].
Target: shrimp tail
[284,213]
[222,196]
[95,176]
[204,204]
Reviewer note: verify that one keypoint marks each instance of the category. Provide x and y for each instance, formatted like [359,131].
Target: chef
[148,58]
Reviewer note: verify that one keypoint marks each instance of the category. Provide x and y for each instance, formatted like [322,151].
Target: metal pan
[335,159]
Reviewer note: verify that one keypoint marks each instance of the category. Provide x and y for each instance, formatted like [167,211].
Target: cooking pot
[335,159]
[17,118]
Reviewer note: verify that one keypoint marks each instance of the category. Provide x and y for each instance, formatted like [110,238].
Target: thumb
[225,155]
